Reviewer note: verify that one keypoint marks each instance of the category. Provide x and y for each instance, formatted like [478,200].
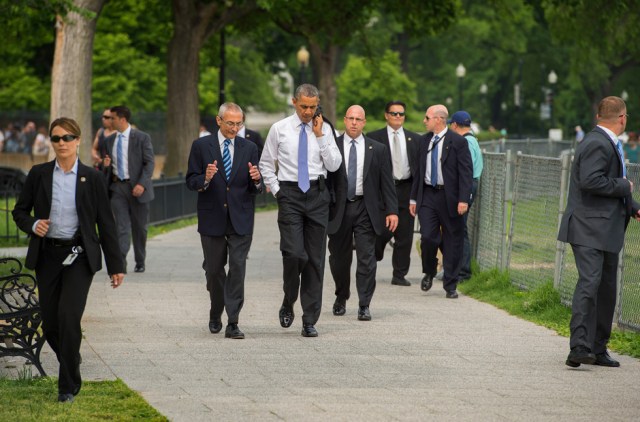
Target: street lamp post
[483,91]
[624,95]
[552,78]
[303,62]
[460,72]
[221,79]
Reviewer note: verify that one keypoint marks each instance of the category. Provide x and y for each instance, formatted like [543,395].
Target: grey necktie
[352,173]
[397,157]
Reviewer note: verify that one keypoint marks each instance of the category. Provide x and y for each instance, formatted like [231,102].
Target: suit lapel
[446,145]
[368,157]
[81,187]
[47,180]
[238,150]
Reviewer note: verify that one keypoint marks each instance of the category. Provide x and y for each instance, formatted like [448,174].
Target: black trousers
[302,220]
[63,292]
[356,224]
[438,228]
[226,289]
[403,236]
[594,299]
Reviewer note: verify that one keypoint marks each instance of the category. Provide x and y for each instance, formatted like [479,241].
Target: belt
[116,179]
[402,181]
[436,187]
[295,184]
[355,198]
[50,241]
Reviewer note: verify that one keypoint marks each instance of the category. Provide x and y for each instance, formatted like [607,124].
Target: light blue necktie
[120,157]
[621,154]
[434,161]
[226,159]
[352,174]
[303,165]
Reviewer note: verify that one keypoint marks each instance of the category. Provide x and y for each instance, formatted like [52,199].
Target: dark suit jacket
[457,170]
[141,162]
[92,205]
[378,189]
[599,204]
[237,198]
[253,136]
[413,142]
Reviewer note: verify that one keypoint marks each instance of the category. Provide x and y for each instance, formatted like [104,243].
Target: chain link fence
[515,219]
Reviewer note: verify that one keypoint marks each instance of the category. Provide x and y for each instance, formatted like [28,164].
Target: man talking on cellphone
[303,147]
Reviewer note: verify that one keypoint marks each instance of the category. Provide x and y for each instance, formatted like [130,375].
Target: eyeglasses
[396,113]
[67,138]
[427,118]
[107,117]
[233,124]
[357,119]
[625,115]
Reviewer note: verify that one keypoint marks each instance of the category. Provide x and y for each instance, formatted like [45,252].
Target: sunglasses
[67,138]
[106,117]
[396,113]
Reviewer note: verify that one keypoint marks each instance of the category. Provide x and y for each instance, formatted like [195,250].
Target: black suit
[403,236]
[361,219]
[253,136]
[225,220]
[62,289]
[437,208]
[598,209]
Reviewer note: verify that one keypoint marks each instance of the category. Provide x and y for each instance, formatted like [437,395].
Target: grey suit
[598,210]
[132,213]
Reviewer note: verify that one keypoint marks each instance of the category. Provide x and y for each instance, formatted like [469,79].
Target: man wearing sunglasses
[403,145]
[130,155]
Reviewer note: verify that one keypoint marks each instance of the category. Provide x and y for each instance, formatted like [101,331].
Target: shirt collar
[441,134]
[391,130]
[125,133]
[73,170]
[610,133]
[358,138]
[221,139]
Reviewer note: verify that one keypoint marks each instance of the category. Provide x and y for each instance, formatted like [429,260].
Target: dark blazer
[253,136]
[237,198]
[457,170]
[599,204]
[92,205]
[413,142]
[141,162]
[378,189]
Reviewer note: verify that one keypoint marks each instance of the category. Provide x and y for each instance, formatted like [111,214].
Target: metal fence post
[508,194]
[560,246]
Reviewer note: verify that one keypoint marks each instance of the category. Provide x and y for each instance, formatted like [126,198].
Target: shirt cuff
[33,228]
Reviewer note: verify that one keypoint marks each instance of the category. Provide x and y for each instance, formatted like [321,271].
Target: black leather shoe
[579,355]
[139,269]
[603,359]
[232,331]
[452,295]
[286,317]
[427,282]
[339,309]
[400,281]
[364,314]
[215,326]
[65,398]
[309,330]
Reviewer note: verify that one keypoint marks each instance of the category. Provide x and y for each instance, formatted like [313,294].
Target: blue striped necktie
[226,158]
[621,154]
[120,157]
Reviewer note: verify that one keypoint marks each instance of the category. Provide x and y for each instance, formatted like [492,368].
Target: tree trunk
[325,66]
[72,69]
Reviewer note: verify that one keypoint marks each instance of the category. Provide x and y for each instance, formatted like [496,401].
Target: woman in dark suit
[69,200]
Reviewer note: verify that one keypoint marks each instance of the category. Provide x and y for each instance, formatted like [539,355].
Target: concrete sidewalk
[422,357]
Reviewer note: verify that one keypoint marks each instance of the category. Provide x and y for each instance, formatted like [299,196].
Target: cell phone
[318,111]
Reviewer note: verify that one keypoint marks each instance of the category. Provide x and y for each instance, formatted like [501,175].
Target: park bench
[20,317]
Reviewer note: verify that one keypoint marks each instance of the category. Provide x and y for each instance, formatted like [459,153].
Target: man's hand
[42,227]
[211,171]
[116,280]
[138,190]
[412,210]
[317,125]
[254,173]
[463,207]
[392,222]
[107,161]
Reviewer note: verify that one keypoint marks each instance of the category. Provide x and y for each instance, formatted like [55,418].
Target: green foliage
[28,399]
[372,85]
[21,89]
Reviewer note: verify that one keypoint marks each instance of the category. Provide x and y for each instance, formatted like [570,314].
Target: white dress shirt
[404,158]
[221,140]
[360,161]
[279,161]
[427,173]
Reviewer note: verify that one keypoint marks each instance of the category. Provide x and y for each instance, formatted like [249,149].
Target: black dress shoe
[452,295]
[65,398]
[309,330]
[427,282]
[139,269]
[286,317]
[364,314]
[579,355]
[400,281]
[603,359]
[232,331]
[339,309]
[215,326]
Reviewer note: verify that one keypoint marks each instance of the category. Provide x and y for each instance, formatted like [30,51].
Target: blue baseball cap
[460,117]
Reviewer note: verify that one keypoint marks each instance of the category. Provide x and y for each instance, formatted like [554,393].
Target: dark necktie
[303,164]
[352,174]
[434,161]
[226,159]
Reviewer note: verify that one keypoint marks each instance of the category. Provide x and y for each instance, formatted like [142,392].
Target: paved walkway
[422,357]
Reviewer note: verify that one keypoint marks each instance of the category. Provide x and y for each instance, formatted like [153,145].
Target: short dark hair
[394,102]
[122,111]
[610,108]
[306,90]
[67,124]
